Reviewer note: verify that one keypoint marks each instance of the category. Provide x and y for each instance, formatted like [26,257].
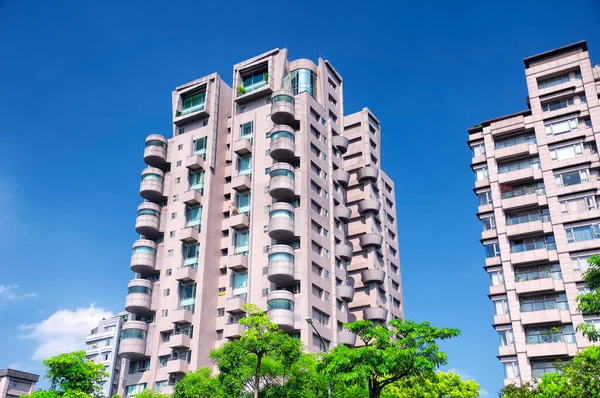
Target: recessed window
[179,163]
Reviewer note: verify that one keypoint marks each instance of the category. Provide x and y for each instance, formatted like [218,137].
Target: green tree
[401,350]
[527,390]
[71,375]
[262,356]
[198,384]
[301,380]
[442,385]
[589,303]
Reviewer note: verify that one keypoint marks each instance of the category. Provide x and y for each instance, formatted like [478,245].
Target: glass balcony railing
[550,338]
[510,192]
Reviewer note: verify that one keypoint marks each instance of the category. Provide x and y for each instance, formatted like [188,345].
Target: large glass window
[492,250]
[485,198]
[527,244]
[529,216]
[144,250]
[533,163]
[520,139]
[488,223]
[281,213]
[244,165]
[139,366]
[496,278]
[138,289]
[280,304]
[511,370]
[246,130]
[566,152]
[242,242]
[197,181]
[564,126]
[187,296]
[156,143]
[481,174]
[501,306]
[133,334]
[536,272]
[282,97]
[282,134]
[194,217]
[254,80]
[147,212]
[243,202]
[200,147]
[583,233]
[477,149]
[577,205]
[572,178]
[556,80]
[544,302]
[580,263]
[506,337]
[301,80]
[193,103]
[152,176]
[538,368]
[549,334]
[190,255]
[558,104]
[282,172]
[281,257]
[132,391]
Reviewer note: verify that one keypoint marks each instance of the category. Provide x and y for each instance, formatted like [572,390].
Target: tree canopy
[589,303]
[442,385]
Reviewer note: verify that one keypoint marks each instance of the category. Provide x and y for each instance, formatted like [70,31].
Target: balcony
[155,153]
[282,185]
[194,163]
[367,173]
[235,305]
[192,197]
[281,221]
[151,187]
[247,92]
[179,341]
[282,107]
[233,331]
[341,143]
[239,221]
[193,104]
[524,197]
[283,145]
[281,309]
[243,147]
[342,177]
[346,338]
[545,316]
[528,228]
[515,151]
[342,213]
[133,340]
[281,264]
[185,274]
[539,285]
[180,316]
[238,262]
[241,183]
[531,256]
[507,350]
[143,256]
[375,314]
[345,292]
[370,240]
[501,319]
[147,220]
[369,206]
[177,366]
[189,235]
[139,296]
[555,349]
[373,276]
[520,175]
[344,251]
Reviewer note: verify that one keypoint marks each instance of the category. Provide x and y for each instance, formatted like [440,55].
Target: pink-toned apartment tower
[265,194]
[537,178]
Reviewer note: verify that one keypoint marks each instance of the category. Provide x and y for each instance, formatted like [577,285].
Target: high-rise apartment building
[537,180]
[265,194]
[103,347]
[15,383]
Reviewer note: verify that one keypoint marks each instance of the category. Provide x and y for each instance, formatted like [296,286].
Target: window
[488,223]
[561,127]
[193,103]
[576,205]
[511,370]
[241,242]
[316,269]
[180,146]
[492,250]
[538,368]
[580,263]
[159,385]
[139,366]
[497,278]
[501,306]
[243,202]
[536,272]
[485,198]
[317,291]
[534,243]
[558,104]
[197,180]
[544,302]
[170,253]
[166,292]
[168,272]
[572,178]
[253,81]
[246,130]
[242,109]
[179,163]
[132,391]
[533,163]
[265,292]
[244,165]
[221,311]
[528,216]
[190,255]
[506,337]
[566,152]
[321,345]
[549,334]
[477,149]
[219,334]
[556,80]
[320,317]
[583,233]
[516,140]
[194,217]
[173,216]
[481,174]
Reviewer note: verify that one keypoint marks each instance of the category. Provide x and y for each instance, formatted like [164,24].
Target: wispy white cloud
[9,293]
[463,373]
[63,331]
[483,393]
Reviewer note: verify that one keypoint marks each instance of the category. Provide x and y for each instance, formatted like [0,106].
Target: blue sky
[83,83]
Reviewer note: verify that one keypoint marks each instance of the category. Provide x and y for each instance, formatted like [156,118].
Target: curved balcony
[133,340]
[281,221]
[345,292]
[282,143]
[282,107]
[139,296]
[281,264]
[370,240]
[375,314]
[280,304]
[341,143]
[143,256]
[147,221]
[367,173]
[344,251]
[342,212]
[372,276]
[155,153]
[342,177]
[369,206]
[346,338]
[151,187]
[282,186]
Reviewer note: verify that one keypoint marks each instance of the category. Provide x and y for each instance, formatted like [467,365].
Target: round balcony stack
[283,107]
[155,153]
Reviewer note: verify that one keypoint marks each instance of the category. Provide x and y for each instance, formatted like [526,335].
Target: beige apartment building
[537,180]
[264,194]
[15,383]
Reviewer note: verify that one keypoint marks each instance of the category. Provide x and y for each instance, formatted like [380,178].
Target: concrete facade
[14,383]
[537,178]
[103,347]
[265,194]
